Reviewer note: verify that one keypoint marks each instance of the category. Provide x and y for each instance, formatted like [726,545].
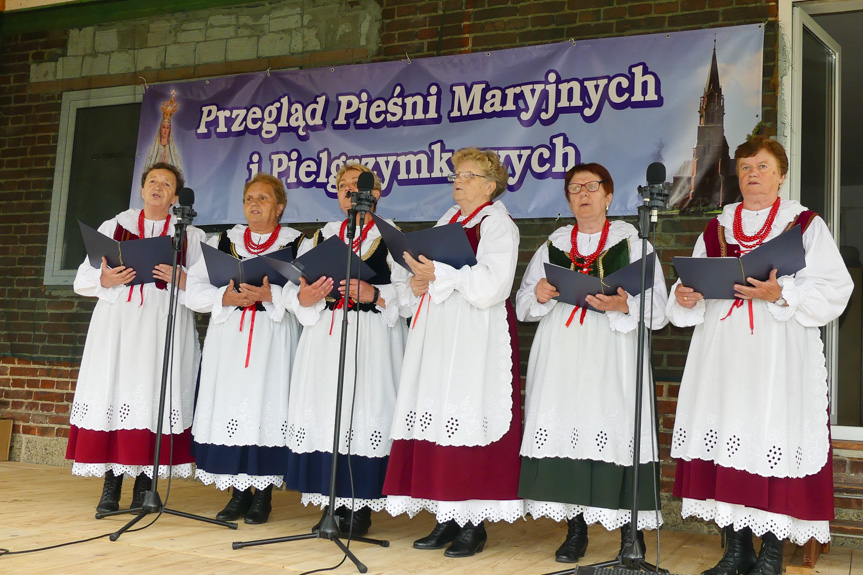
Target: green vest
[609,261]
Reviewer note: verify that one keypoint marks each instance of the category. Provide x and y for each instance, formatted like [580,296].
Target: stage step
[846,528]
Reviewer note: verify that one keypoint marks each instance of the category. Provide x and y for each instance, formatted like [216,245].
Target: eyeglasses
[589,186]
[466,176]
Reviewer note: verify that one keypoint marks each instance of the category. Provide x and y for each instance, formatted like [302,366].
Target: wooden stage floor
[43,505]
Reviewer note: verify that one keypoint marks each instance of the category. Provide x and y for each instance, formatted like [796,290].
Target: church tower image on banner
[708,179]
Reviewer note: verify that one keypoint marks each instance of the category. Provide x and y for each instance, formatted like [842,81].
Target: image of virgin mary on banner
[164,149]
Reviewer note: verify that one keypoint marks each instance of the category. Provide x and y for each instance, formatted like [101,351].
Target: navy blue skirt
[310,473]
[234,460]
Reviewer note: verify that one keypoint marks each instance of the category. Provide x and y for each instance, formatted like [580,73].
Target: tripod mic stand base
[153,504]
[329,531]
[614,567]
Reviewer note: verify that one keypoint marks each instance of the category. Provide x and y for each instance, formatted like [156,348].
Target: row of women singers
[115,409]
[580,392]
[376,334]
[751,433]
[241,415]
[457,424]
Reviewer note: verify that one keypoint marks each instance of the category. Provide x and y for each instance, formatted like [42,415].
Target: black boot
[143,484]
[442,535]
[111,489]
[262,504]
[575,545]
[237,506]
[470,541]
[769,560]
[739,556]
[624,535]
[356,523]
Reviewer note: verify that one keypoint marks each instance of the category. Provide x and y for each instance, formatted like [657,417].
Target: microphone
[183,208]
[362,200]
[655,173]
[365,182]
[187,195]
[655,193]
[657,190]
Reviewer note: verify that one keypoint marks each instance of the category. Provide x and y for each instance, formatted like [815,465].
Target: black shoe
[442,535]
[576,541]
[237,506]
[624,536]
[262,504]
[739,557]
[769,560]
[356,523]
[111,489]
[470,541]
[143,484]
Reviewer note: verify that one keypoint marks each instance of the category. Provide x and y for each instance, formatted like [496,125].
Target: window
[95,166]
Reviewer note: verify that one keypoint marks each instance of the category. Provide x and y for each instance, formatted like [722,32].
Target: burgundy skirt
[807,498]
[425,470]
[127,447]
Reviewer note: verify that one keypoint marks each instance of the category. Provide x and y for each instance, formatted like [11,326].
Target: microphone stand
[361,203]
[631,557]
[152,500]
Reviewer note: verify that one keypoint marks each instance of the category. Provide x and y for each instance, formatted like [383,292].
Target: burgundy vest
[717,247]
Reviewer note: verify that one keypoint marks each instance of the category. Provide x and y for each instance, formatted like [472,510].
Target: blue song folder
[714,278]
[222,268]
[574,286]
[327,259]
[140,255]
[446,244]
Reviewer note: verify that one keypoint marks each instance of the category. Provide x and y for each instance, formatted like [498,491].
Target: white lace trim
[320,500]
[611,519]
[99,470]
[797,531]
[241,481]
[473,511]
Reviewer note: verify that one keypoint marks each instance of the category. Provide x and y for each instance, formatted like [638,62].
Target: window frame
[54,274]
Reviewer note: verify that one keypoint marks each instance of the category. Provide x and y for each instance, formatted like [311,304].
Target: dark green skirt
[586,482]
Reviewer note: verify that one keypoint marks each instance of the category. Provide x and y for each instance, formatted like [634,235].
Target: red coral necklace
[141,225]
[473,214]
[588,260]
[751,242]
[257,249]
[357,241]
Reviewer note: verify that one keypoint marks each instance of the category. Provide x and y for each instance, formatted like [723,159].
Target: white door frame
[793,17]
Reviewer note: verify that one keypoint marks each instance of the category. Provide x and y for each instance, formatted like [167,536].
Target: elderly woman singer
[242,408]
[114,413]
[576,459]
[751,433]
[374,306]
[457,425]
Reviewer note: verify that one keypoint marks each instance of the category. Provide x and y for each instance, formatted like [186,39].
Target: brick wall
[42,329]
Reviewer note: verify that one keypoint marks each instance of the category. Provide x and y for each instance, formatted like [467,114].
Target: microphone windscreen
[187,197]
[655,173]
[366,182]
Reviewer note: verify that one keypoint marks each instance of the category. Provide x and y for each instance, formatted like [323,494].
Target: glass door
[816,96]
